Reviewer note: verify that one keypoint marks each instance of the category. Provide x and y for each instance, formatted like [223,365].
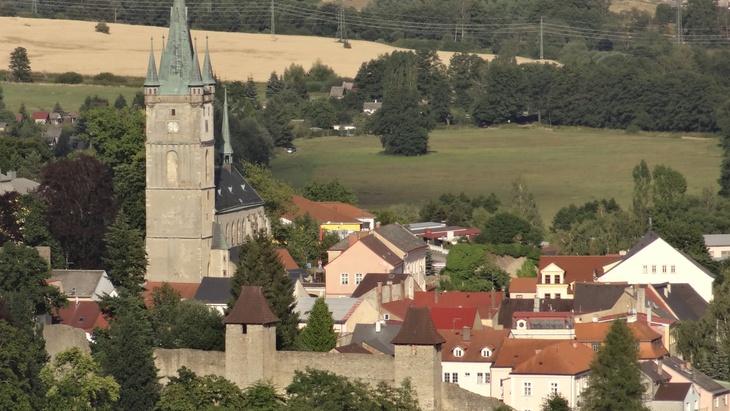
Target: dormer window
[486,352]
[458,352]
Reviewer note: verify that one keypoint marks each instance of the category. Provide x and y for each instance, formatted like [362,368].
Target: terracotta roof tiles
[317,211]
[515,351]
[564,358]
[523,285]
[578,268]
[472,349]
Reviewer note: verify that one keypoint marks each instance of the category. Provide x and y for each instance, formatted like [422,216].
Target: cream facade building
[196,210]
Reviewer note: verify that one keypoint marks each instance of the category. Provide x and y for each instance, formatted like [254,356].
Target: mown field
[561,166]
[37,97]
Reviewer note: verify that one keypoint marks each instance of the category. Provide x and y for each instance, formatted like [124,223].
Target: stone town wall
[367,367]
[61,337]
[455,398]
[198,361]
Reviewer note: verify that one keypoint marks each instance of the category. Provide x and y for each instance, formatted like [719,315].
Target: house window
[673,269]
[480,378]
[595,347]
[447,377]
[664,269]
[173,111]
[455,378]
[547,279]
[487,378]
[553,387]
[358,278]
[547,296]
[557,296]
[653,269]
[527,389]
[645,269]
[518,296]
[556,279]
[386,316]
[458,352]
[344,279]
[486,352]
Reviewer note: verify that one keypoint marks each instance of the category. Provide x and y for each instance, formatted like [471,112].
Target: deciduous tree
[189,391]
[332,190]
[402,124]
[20,65]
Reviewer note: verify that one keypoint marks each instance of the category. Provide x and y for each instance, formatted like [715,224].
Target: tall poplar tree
[319,334]
[614,379]
[260,265]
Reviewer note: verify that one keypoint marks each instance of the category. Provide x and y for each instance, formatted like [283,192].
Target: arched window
[172,177]
[228,234]
[458,352]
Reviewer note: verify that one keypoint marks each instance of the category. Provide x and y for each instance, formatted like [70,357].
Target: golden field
[57,46]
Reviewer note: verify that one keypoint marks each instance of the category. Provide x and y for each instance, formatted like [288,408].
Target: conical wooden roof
[251,308]
[418,329]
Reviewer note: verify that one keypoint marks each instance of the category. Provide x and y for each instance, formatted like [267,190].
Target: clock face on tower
[173,126]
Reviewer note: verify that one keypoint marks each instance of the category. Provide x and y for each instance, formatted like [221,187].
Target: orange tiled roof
[347,209]
[317,211]
[578,268]
[588,332]
[523,285]
[84,314]
[451,318]
[286,258]
[563,358]
[651,351]
[515,351]
[480,339]
[482,301]
[187,290]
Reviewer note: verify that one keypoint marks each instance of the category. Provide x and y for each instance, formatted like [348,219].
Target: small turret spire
[152,80]
[195,79]
[226,150]
[208,78]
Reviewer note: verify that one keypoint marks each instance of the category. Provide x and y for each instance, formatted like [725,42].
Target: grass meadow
[39,96]
[561,165]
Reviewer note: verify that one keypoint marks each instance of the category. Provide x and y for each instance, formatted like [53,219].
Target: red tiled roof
[515,351]
[563,358]
[482,301]
[448,318]
[251,308]
[286,258]
[418,329]
[588,332]
[40,115]
[578,268]
[480,339]
[398,308]
[317,211]
[347,209]
[187,290]
[84,314]
[523,285]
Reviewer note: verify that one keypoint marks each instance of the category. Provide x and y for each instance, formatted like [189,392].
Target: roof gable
[523,285]
[287,259]
[449,318]
[683,300]
[83,314]
[400,237]
[594,297]
[589,332]
[695,376]
[577,268]
[672,391]
[472,348]
[563,358]
[78,283]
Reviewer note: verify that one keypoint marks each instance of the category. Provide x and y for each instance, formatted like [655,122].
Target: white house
[467,357]
[653,261]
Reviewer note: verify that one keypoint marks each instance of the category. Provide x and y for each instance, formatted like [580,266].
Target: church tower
[180,157]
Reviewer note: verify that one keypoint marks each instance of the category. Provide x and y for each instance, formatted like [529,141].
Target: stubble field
[561,166]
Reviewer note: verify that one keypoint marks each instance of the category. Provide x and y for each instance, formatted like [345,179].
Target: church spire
[152,80]
[226,150]
[208,78]
[176,64]
[195,79]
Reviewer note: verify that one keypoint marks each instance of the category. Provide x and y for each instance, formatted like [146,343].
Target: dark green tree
[614,379]
[58,109]
[430,270]
[23,276]
[320,113]
[276,120]
[262,396]
[251,141]
[125,351]
[470,268]
[188,391]
[319,334]
[260,265]
[555,402]
[402,124]
[249,90]
[332,190]
[507,228]
[302,239]
[523,203]
[274,86]
[126,258]
[120,102]
[20,65]
[275,193]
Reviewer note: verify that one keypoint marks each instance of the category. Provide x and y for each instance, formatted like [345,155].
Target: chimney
[688,365]
[352,239]
[378,326]
[659,366]
[648,314]
[595,318]
[377,224]
[640,299]
[466,334]
[536,306]
[12,175]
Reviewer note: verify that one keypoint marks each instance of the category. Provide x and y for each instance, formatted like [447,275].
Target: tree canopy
[319,334]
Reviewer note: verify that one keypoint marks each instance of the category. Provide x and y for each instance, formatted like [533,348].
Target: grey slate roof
[83,281]
[400,237]
[338,307]
[381,341]
[214,290]
[10,183]
[377,246]
[233,192]
[683,300]
[371,280]
[716,240]
[694,375]
[593,297]
[651,370]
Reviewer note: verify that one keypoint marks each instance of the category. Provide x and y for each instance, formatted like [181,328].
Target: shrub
[102,27]
[69,77]
[106,79]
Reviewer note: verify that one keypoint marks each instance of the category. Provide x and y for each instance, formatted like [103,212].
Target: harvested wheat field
[57,46]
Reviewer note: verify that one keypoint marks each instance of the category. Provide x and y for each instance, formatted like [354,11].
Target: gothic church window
[172,165]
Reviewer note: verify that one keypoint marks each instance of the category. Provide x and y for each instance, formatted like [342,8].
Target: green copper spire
[195,79]
[226,150]
[152,80]
[208,78]
[176,64]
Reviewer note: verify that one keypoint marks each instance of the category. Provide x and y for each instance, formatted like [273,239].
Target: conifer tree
[430,270]
[614,379]
[126,258]
[260,265]
[319,334]
[125,351]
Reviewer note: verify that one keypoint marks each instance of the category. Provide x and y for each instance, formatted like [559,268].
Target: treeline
[508,27]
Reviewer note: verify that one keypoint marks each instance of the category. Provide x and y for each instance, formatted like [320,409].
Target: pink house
[347,269]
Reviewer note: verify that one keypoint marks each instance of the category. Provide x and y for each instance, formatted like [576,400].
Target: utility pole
[541,48]
[341,29]
[679,21]
[273,22]
[34,7]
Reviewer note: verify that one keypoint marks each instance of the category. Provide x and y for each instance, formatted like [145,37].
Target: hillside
[57,46]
